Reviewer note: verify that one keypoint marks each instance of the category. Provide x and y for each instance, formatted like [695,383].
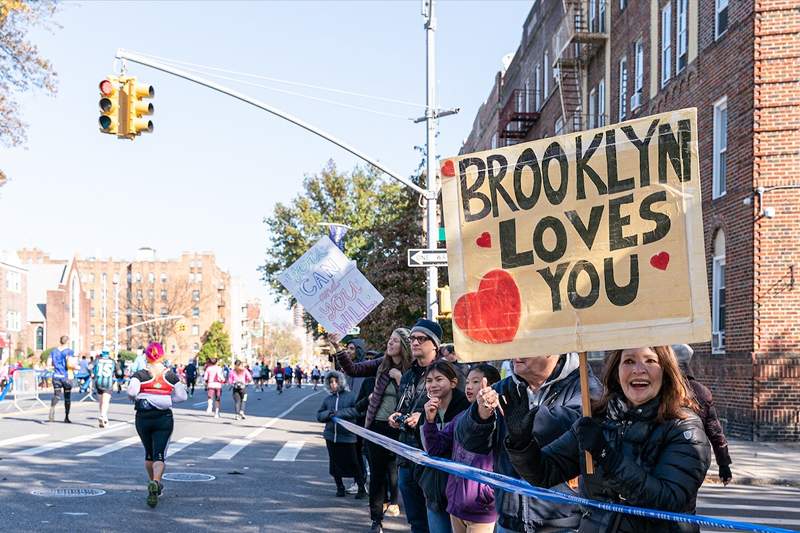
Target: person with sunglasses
[425,339]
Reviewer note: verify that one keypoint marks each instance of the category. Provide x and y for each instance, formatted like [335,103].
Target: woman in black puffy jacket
[647,444]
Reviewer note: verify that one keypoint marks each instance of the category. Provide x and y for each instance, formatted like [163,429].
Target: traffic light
[181,327]
[109,105]
[136,109]
[443,296]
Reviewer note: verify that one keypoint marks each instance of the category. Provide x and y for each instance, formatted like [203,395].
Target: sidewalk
[762,463]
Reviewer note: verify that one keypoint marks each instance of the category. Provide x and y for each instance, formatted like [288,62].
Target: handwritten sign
[587,241]
[330,287]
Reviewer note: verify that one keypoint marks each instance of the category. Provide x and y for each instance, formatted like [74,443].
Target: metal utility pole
[116,315]
[430,152]
[104,277]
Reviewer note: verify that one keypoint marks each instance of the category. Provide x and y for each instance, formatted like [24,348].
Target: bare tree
[280,342]
[148,301]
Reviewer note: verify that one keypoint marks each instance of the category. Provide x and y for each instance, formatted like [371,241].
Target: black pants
[383,471]
[62,387]
[190,382]
[238,400]
[154,427]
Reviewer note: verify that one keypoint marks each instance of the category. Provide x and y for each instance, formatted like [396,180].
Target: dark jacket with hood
[658,465]
[413,397]
[341,404]
[432,481]
[559,401]
[711,423]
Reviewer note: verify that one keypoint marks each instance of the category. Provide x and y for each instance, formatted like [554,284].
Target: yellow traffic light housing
[137,109]
[445,307]
[109,105]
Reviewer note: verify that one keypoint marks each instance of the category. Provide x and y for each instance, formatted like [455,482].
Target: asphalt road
[270,474]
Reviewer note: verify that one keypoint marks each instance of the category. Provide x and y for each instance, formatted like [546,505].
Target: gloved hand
[590,437]
[518,415]
[725,474]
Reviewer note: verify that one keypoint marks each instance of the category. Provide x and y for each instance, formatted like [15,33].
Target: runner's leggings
[154,427]
[238,400]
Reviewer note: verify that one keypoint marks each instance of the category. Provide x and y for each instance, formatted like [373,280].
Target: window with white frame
[196,296]
[494,141]
[602,16]
[163,277]
[196,346]
[195,311]
[718,303]
[13,321]
[13,281]
[622,4]
[666,43]
[601,103]
[163,295]
[538,86]
[559,126]
[638,80]
[137,276]
[151,277]
[526,98]
[195,330]
[592,122]
[720,18]
[594,25]
[682,39]
[546,80]
[720,161]
[623,88]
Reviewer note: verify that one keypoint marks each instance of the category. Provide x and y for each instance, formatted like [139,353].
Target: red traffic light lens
[106,87]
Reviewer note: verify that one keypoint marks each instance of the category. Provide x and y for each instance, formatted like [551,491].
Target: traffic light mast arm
[142,60]
[159,319]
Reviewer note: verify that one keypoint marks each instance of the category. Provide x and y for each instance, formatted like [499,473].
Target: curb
[755,481]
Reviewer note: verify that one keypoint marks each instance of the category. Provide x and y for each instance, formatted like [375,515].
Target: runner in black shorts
[154,388]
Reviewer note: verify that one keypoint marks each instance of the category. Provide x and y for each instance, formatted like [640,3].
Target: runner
[279,375]
[257,376]
[119,373]
[298,376]
[62,384]
[315,375]
[265,375]
[287,375]
[214,379]
[238,378]
[154,388]
[190,371]
[103,383]
[83,375]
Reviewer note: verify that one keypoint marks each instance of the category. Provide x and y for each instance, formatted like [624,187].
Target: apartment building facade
[14,337]
[583,64]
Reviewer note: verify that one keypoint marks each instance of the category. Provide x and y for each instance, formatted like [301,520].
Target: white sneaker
[241,414]
[353,489]
[216,414]
[208,410]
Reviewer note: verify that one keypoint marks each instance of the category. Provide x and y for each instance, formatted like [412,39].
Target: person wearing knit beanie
[430,328]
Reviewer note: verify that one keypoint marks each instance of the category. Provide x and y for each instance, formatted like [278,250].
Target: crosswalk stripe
[770,508]
[760,497]
[108,448]
[761,521]
[231,449]
[23,438]
[64,443]
[175,447]
[289,451]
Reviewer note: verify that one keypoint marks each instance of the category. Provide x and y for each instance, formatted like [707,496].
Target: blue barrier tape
[6,388]
[521,486]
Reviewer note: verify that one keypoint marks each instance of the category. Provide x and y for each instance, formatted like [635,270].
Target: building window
[538,86]
[13,322]
[40,338]
[602,16]
[151,294]
[718,295]
[163,277]
[594,25]
[559,126]
[138,294]
[163,295]
[721,18]
[666,43]
[592,122]
[545,61]
[198,277]
[622,4]
[91,312]
[601,103]
[163,311]
[623,88]
[638,77]
[91,294]
[151,277]
[527,99]
[682,36]
[494,141]
[93,330]
[13,281]
[137,277]
[195,330]
[196,346]
[196,296]
[195,311]
[720,148]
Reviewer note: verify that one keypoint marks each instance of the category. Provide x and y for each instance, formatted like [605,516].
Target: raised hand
[487,400]
[431,407]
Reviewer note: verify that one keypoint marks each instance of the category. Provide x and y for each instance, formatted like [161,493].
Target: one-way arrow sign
[427,258]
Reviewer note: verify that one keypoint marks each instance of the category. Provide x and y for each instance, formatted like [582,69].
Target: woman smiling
[647,443]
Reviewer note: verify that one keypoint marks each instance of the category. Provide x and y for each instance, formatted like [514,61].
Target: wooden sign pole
[585,402]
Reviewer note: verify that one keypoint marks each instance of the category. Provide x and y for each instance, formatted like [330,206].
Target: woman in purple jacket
[470,504]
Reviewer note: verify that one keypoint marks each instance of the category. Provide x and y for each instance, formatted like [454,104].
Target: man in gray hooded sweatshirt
[552,387]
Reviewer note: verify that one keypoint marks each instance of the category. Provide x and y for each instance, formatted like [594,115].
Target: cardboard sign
[330,287]
[588,241]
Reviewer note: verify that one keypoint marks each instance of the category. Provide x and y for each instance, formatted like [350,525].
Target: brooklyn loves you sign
[587,241]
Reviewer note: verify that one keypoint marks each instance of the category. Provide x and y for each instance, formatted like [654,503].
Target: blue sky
[214,167]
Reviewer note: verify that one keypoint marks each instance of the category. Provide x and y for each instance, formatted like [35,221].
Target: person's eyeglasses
[419,339]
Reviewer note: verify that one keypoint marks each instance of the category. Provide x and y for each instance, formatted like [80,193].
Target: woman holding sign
[647,443]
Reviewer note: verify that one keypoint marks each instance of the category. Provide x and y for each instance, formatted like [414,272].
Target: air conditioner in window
[717,341]
[636,100]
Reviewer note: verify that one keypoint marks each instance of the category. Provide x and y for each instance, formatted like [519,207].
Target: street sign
[427,258]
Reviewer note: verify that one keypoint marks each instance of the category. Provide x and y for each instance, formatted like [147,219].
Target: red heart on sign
[485,240]
[448,169]
[660,261]
[490,315]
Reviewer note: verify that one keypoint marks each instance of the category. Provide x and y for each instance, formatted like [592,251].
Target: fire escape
[583,32]
[517,116]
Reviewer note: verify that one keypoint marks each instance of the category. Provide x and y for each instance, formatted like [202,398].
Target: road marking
[64,443]
[770,508]
[175,447]
[289,451]
[108,448]
[199,404]
[272,421]
[231,449]
[760,520]
[23,438]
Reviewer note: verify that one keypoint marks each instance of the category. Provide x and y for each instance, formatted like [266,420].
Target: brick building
[13,306]
[148,287]
[585,63]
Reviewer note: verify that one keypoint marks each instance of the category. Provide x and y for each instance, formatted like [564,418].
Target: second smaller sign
[420,257]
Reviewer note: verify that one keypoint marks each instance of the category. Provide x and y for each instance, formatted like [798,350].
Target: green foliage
[385,220]
[45,355]
[126,355]
[216,343]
